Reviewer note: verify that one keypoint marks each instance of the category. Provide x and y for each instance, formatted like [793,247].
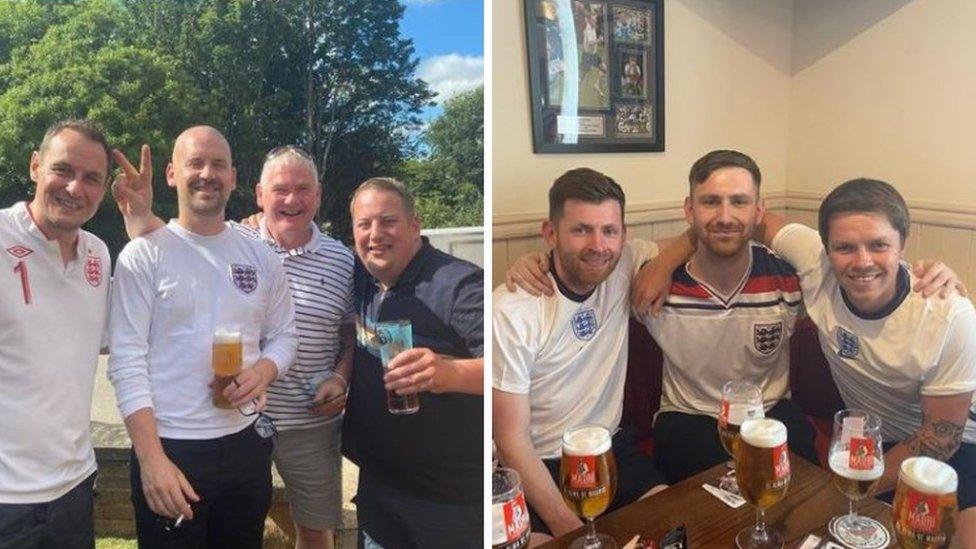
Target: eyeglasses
[264,425]
[278,151]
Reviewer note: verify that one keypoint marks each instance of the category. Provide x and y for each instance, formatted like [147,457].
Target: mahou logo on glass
[923,512]
[781,462]
[582,472]
[861,454]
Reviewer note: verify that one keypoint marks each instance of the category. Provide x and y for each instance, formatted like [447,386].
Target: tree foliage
[333,76]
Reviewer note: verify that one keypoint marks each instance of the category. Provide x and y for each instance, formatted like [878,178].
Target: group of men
[721,301]
[201,475]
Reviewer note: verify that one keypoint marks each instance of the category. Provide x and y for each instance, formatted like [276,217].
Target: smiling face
[70,175]
[201,172]
[864,250]
[587,240]
[289,196]
[724,210]
[386,235]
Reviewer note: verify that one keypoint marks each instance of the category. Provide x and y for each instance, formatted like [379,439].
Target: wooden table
[810,502]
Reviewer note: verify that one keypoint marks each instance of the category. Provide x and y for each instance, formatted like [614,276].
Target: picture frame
[596,75]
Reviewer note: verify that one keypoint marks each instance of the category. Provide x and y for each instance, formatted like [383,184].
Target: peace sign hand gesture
[133,193]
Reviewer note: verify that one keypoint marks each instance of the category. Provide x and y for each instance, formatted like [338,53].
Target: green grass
[115,543]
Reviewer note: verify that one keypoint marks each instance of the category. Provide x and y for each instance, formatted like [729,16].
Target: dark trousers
[232,476]
[686,444]
[397,519]
[64,523]
[636,474]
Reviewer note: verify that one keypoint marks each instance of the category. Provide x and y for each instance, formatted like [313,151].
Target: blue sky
[448,37]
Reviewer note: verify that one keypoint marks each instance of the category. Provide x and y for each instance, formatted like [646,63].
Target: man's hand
[330,398]
[650,287]
[250,385]
[167,491]
[936,277]
[132,189]
[416,370]
[530,272]
[253,221]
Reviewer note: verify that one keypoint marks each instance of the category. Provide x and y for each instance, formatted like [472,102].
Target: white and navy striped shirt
[320,277]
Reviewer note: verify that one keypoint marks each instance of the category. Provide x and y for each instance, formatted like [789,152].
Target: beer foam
[763,432]
[588,441]
[929,476]
[840,464]
[226,336]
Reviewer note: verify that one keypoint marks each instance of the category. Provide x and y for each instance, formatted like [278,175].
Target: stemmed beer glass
[857,463]
[588,480]
[762,469]
[741,400]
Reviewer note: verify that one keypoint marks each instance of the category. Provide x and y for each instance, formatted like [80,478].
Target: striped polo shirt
[320,277]
[708,338]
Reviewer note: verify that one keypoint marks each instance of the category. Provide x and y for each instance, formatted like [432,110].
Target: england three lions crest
[767,337]
[245,277]
[848,345]
[584,324]
[93,270]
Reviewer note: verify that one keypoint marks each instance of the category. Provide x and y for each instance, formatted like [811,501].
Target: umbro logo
[19,251]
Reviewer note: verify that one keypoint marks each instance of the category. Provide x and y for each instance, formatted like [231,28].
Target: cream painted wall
[895,102]
[722,90]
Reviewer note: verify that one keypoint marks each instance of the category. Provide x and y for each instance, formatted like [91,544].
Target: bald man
[200,474]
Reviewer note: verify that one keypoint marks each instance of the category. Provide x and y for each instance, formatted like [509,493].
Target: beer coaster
[871,534]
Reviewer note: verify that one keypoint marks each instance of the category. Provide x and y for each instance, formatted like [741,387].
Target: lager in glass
[856,463]
[740,400]
[394,338]
[762,469]
[925,506]
[227,362]
[588,479]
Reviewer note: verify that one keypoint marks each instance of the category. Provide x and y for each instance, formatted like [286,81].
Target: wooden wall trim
[925,212]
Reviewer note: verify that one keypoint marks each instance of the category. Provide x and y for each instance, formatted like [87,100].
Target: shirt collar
[414,269]
[901,292]
[25,219]
[563,289]
[310,246]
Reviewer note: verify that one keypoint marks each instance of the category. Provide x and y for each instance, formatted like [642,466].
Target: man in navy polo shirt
[420,477]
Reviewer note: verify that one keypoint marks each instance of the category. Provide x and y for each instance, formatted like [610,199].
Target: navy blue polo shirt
[435,453]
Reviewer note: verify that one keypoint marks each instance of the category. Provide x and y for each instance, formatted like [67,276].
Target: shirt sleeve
[800,246]
[279,341]
[643,251]
[512,350]
[955,372]
[129,321]
[468,312]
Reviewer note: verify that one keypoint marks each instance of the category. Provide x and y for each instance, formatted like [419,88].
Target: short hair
[865,195]
[85,127]
[583,184]
[390,185]
[292,154]
[703,168]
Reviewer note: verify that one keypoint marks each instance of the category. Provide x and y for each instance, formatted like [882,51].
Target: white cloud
[451,74]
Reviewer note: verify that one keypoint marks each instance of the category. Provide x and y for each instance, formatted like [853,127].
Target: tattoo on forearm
[937,439]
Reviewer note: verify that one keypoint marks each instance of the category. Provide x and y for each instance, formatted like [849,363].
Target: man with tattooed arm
[907,358]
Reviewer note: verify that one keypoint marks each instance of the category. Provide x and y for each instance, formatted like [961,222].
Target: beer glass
[394,338]
[925,506]
[762,468]
[509,515]
[740,400]
[588,480]
[856,463]
[227,362]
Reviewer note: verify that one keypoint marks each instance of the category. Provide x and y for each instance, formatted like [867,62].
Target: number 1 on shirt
[21,268]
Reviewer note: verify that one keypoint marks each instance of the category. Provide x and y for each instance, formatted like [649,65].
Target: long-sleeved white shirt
[172,289]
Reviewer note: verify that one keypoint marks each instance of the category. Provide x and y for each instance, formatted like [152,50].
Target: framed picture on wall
[596,72]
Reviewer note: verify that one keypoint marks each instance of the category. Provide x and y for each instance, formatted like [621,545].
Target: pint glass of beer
[740,400]
[588,479]
[227,362]
[856,463]
[762,469]
[509,515]
[394,338]
[925,506]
